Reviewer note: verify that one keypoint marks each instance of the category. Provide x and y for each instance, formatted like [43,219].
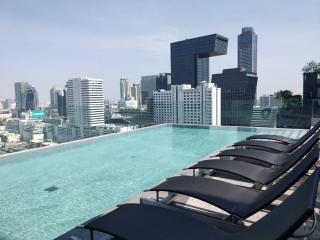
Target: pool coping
[76,142]
[91,139]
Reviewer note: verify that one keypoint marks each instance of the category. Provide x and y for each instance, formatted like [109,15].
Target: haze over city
[48,42]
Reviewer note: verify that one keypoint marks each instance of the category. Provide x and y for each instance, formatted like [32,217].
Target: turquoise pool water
[45,193]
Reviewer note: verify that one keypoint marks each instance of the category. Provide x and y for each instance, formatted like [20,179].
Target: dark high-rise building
[26,97]
[18,88]
[238,93]
[58,100]
[30,99]
[311,92]
[154,83]
[190,58]
[247,50]
[61,103]
[164,81]
[54,91]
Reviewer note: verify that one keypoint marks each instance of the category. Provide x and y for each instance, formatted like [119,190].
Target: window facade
[186,105]
[190,58]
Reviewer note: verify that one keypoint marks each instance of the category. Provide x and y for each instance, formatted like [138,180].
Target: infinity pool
[46,192]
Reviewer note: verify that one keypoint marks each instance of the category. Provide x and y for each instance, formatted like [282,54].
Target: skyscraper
[30,99]
[247,50]
[136,93]
[58,100]
[26,97]
[85,105]
[185,105]
[125,89]
[190,58]
[18,88]
[154,83]
[61,103]
[53,96]
[238,94]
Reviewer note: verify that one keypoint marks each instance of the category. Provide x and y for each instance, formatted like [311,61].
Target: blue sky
[47,42]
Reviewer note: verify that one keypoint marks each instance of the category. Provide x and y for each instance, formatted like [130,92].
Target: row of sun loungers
[282,144]
[272,164]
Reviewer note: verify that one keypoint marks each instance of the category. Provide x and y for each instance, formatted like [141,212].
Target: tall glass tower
[30,99]
[26,97]
[125,89]
[247,50]
[190,58]
[19,88]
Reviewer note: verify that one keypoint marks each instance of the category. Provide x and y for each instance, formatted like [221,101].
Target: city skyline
[48,43]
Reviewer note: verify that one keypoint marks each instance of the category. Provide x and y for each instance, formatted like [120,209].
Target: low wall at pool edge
[30,152]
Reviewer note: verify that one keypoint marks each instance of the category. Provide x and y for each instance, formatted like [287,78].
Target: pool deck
[83,234]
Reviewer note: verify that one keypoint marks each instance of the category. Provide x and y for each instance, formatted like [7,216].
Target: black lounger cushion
[147,222]
[253,172]
[279,138]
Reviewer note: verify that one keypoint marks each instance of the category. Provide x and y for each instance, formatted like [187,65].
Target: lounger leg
[235,218]
[309,230]
[91,234]
[257,186]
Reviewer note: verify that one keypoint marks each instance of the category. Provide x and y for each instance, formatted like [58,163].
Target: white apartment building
[270,101]
[5,114]
[125,89]
[85,105]
[185,105]
[136,93]
[10,137]
[128,104]
[31,131]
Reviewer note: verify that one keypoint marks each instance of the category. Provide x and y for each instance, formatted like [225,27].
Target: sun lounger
[283,139]
[278,143]
[255,173]
[145,222]
[269,158]
[241,202]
